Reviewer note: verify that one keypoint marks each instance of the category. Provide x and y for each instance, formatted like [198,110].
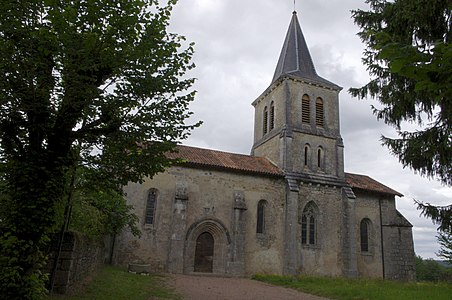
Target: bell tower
[296,123]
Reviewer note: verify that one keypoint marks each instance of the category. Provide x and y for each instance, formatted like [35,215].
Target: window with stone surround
[320,158]
[260,222]
[265,121]
[319,115]
[364,234]
[306,156]
[151,205]
[305,109]
[309,219]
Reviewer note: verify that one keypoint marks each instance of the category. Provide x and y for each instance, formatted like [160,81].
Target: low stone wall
[79,258]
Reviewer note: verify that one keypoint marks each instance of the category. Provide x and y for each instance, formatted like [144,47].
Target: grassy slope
[116,283]
[341,288]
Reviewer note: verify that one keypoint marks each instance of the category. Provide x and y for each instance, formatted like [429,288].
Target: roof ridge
[220,151]
[358,174]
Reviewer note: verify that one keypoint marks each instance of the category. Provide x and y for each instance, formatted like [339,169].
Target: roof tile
[260,165]
[225,160]
[364,182]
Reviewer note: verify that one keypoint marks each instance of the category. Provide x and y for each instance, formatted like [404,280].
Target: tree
[445,242]
[430,270]
[409,57]
[99,209]
[94,83]
[440,215]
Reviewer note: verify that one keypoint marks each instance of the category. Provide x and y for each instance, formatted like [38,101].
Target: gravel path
[220,288]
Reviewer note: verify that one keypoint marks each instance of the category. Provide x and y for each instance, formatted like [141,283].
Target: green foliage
[445,242]
[368,289]
[98,210]
[98,84]
[430,270]
[440,215]
[409,56]
[115,283]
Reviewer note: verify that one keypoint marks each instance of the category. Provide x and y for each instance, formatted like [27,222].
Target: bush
[430,270]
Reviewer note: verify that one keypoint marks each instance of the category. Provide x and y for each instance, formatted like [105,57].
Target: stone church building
[288,208]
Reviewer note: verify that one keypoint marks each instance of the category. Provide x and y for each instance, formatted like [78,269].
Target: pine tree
[409,57]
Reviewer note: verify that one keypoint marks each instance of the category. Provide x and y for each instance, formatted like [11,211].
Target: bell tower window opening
[319,116]
[272,116]
[305,109]
[320,158]
[306,155]
[265,121]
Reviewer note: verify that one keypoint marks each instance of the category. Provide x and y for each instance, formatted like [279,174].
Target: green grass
[357,289]
[116,283]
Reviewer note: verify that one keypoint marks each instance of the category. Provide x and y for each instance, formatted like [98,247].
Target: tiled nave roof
[364,182]
[226,160]
[200,157]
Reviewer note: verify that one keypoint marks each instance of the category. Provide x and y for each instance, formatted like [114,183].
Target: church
[288,208]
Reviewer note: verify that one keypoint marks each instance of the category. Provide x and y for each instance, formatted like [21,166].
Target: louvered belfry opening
[319,117]
[265,121]
[305,109]
[272,116]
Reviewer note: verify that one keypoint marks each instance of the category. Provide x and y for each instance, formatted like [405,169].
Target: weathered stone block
[139,268]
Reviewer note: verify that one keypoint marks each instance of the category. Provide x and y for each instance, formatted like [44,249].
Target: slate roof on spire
[295,59]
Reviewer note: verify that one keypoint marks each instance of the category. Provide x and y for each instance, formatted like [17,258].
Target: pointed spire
[295,59]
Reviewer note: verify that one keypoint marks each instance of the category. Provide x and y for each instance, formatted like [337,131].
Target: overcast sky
[238,43]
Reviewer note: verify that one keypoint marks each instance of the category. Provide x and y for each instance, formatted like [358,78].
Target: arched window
[311,230]
[320,158]
[260,224]
[319,118]
[306,155]
[304,229]
[265,121]
[305,109]
[309,224]
[364,228]
[151,205]
[272,116]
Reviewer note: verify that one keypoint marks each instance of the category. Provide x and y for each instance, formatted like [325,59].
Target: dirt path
[219,288]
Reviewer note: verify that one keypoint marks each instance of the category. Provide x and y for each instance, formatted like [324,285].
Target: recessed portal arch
[207,246]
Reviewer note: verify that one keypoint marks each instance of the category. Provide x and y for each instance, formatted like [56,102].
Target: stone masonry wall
[394,231]
[219,202]
[399,253]
[370,262]
[325,256]
[80,257]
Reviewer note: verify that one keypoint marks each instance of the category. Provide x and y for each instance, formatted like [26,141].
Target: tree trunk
[35,194]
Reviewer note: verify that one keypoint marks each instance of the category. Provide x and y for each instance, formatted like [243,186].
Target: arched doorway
[207,247]
[204,253]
